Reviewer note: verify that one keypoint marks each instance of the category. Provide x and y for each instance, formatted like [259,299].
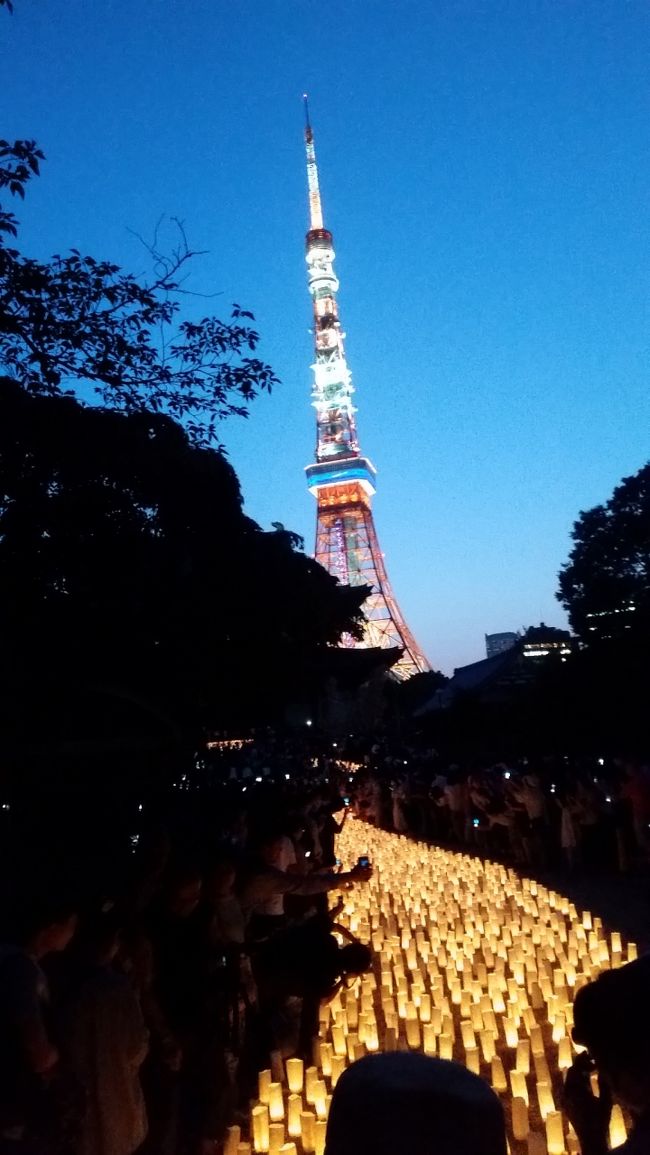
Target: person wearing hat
[612,1020]
[407,1102]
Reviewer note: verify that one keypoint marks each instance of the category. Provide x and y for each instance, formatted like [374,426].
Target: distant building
[499,643]
[542,641]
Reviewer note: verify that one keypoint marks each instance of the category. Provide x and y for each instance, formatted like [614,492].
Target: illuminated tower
[342,479]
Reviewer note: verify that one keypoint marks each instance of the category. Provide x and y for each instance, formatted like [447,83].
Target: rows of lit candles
[472,963]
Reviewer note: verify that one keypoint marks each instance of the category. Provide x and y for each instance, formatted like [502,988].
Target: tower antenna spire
[341,478]
[315,206]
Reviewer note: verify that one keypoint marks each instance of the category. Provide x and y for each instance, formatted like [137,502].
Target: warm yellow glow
[473,963]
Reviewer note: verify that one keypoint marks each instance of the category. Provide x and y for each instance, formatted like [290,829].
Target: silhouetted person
[307,961]
[612,1020]
[105,1043]
[394,1102]
[29,1057]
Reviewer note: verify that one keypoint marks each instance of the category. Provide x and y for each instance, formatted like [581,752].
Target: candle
[522,1062]
[564,1054]
[519,1086]
[276,1102]
[233,1139]
[320,1131]
[260,1120]
[545,1100]
[295,1071]
[311,1079]
[276,1137]
[308,1131]
[520,1125]
[617,1128]
[554,1133]
[294,1109]
[470,960]
[499,1081]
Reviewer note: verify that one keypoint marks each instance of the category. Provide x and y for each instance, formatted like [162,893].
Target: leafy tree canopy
[605,584]
[75,322]
[126,560]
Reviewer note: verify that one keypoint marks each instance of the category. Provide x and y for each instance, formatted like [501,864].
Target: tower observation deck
[341,478]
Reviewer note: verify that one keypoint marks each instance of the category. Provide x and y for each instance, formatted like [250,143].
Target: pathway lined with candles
[473,963]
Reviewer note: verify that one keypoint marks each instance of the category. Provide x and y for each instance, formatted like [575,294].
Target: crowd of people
[144,984]
[589,814]
[137,1005]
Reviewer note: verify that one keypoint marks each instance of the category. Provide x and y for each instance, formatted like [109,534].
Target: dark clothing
[106,1043]
[304,959]
[24,996]
[179,969]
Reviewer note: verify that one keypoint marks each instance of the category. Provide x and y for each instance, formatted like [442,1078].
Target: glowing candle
[244,1149]
[499,1081]
[308,1131]
[617,1128]
[537,1041]
[522,1062]
[446,1046]
[294,1109]
[295,1073]
[519,1086]
[276,1137]
[338,1041]
[472,1060]
[320,1094]
[545,1100]
[564,1054]
[320,1131]
[554,1133]
[520,1126]
[429,1041]
[487,1045]
[467,1034]
[288,1149]
[511,1033]
[276,1103]
[260,1119]
[412,1031]
[311,1079]
[338,1067]
[233,1139]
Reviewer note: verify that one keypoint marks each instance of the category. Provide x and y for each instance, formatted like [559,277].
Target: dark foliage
[605,585]
[126,562]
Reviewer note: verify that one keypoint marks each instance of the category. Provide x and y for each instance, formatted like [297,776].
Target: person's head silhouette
[397,1101]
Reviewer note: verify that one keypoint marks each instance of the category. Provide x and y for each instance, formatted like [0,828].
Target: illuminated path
[473,963]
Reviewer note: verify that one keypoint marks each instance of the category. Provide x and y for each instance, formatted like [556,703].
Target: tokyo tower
[342,479]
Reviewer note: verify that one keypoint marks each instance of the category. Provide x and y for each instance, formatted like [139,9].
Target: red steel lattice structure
[341,478]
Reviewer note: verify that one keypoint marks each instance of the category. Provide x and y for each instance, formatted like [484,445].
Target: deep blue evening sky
[484,168]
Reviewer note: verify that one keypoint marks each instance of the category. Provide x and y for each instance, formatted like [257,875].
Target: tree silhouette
[75,322]
[126,561]
[605,584]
